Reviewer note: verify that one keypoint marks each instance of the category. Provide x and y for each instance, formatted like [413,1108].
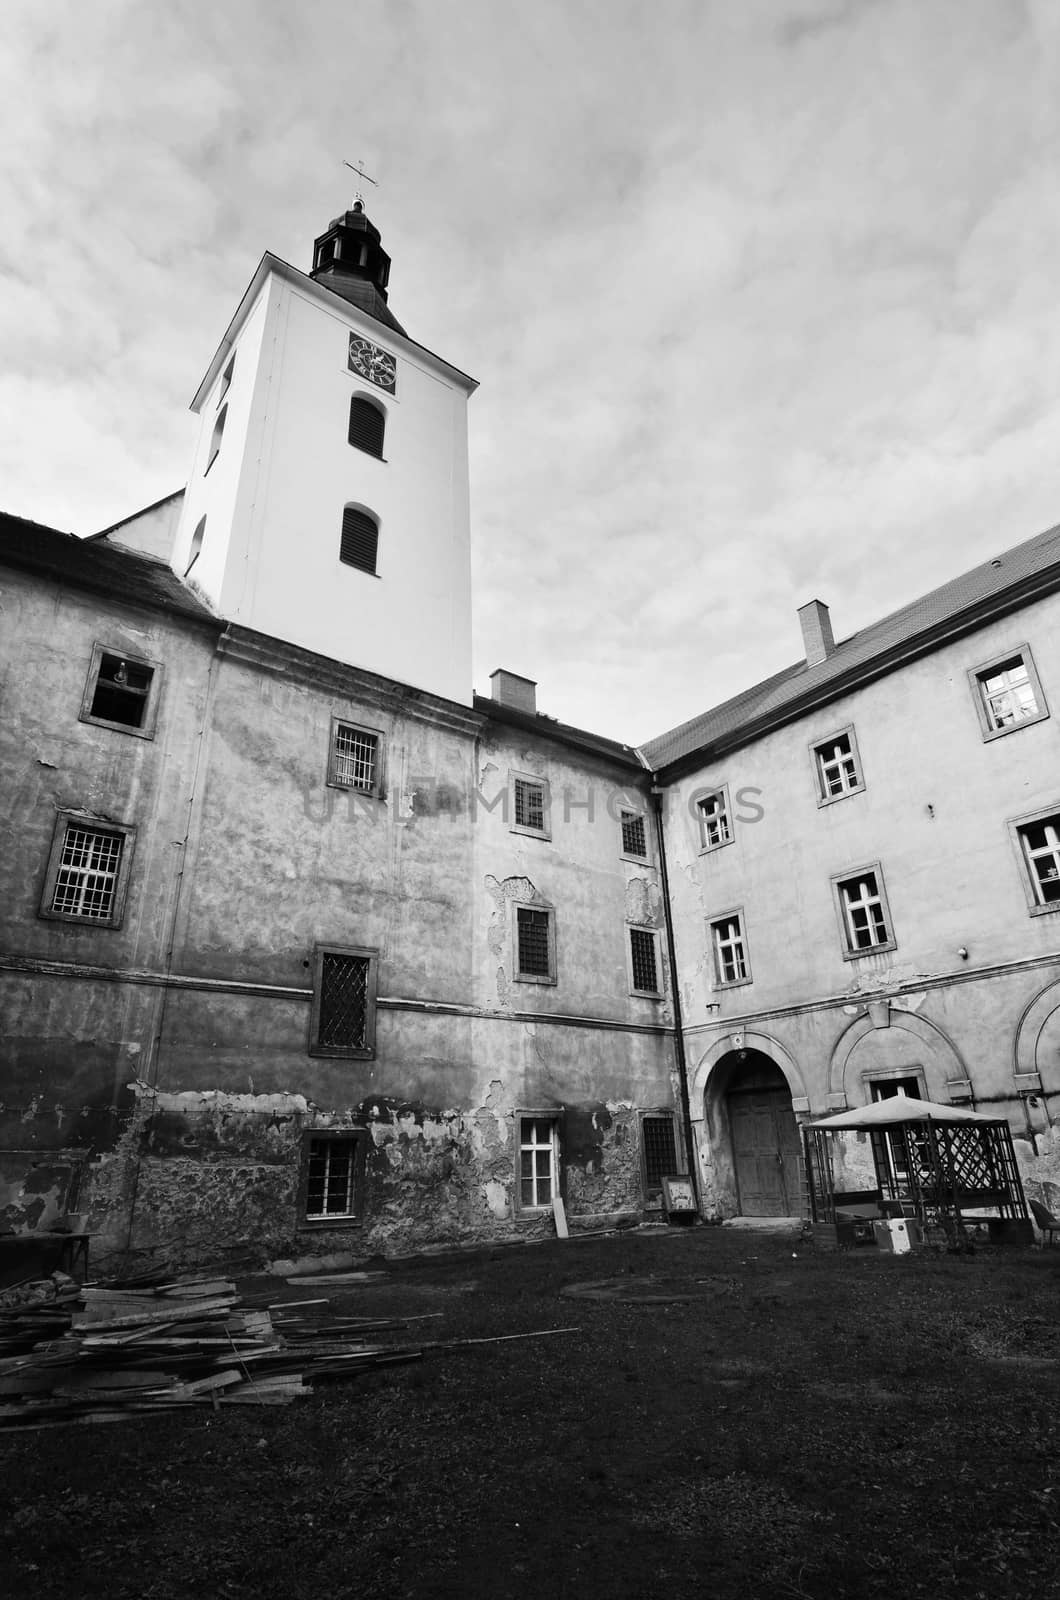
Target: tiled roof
[94,564]
[548,728]
[923,620]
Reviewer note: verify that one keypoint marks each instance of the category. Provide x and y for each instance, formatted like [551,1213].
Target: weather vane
[363,178]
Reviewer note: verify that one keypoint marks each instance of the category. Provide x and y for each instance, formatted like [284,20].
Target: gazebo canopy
[898,1108]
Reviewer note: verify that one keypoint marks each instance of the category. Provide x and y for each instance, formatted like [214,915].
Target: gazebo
[934,1163]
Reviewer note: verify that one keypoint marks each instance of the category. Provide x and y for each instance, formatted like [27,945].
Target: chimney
[816,632]
[511,690]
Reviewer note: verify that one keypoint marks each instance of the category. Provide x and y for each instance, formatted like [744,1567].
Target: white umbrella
[899,1108]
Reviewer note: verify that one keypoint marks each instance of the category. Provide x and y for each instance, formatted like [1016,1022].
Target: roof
[1015,577]
[548,728]
[94,564]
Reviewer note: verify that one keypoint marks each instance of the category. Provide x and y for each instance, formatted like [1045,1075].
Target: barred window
[359,546]
[86,876]
[333,1177]
[837,766]
[121,692]
[537,1162]
[367,426]
[644,961]
[530,805]
[634,835]
[354,762]
[535,945]
[660,1152]
[731,965]
[343,1018]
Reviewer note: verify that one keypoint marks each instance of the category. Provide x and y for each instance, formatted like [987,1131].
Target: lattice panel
[344,1002]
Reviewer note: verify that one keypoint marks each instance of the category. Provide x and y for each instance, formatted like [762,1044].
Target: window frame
[653,933]
[365,1052]
[1016,825]
[146,730]
[976,676]
[545,831]
[817,745]
[551,1116]
[717,790]
[631,855]
[715,921]
[68,818]
[518,976]
[377,790]
[346,1219]
[653,1195]
[838,880]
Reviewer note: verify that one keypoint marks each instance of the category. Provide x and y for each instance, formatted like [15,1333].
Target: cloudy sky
[762,294]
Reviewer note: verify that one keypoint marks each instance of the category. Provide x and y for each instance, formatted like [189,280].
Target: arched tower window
[196,544]
[367,426]
[215,438]
[360,539]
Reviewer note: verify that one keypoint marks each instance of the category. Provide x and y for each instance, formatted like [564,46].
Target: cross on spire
[362,179]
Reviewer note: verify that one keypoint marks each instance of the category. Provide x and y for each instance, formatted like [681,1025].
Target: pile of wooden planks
[114,1351]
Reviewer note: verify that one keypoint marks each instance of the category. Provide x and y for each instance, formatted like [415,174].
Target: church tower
[328,501]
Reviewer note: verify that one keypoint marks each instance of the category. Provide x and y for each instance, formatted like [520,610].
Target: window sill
[711,849]
[531,833]
[990,734]
[736,983]
[1044,911]
[833,799]
[874,950]
[533,977]
[117,727]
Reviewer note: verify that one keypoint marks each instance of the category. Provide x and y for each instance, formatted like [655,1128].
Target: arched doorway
[764,1135]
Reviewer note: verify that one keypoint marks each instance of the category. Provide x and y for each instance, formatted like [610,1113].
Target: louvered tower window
[360,539]
[367,426]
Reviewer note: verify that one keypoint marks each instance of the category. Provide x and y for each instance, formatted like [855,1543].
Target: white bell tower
[328,502]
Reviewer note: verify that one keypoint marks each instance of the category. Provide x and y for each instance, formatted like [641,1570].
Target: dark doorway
[765,1140]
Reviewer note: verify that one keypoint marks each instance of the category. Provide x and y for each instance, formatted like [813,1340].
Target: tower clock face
[368,361]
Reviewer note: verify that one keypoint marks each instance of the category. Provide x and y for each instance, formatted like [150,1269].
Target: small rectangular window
[644,961]
[535,945]
[863,913]
[1038,843]
[530,805]
[837,767]
[538,1162]
[87,872]
[715,823]
[121,692]
[343,1015]
[634,835]
[333,1176]
[1008,694]
[659,1148]
[355,757]
[729,944]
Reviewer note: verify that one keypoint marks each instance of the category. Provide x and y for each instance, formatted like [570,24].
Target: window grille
[634,834]
[86,883]
[645,967]
[359,546]
[355,754]
[332,1178]
[121,691]
[534,955]
[529,804]
[730,955]
[837,767]
[1008,693]
[343,1021]
[537,1162]
[1041,848]
[714,820]
[863,911]
[367,426]
[660,1151]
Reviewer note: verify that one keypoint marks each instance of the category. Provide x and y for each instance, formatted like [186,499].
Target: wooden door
[765,1145]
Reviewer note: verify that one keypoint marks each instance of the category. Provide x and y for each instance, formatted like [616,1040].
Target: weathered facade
[305,946]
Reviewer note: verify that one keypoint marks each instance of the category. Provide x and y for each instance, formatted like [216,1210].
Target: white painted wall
[275,495]
[951,874]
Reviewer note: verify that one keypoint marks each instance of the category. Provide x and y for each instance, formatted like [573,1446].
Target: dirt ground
[731,1411]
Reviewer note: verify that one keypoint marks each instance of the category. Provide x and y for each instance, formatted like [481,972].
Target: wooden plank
[559,1214]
